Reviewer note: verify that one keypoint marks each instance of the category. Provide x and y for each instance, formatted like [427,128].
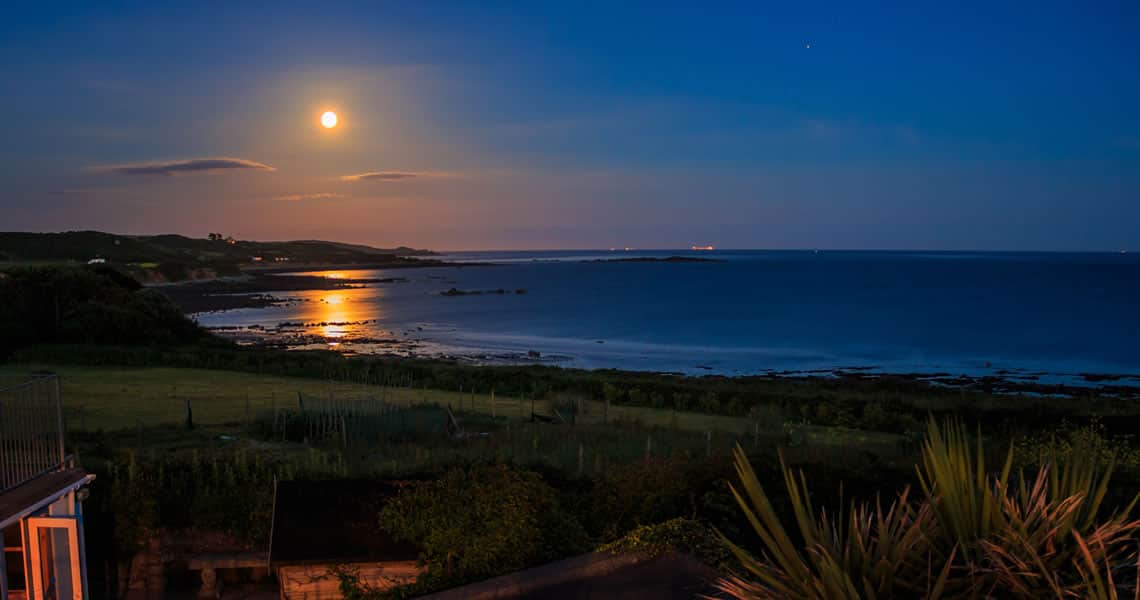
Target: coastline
[405,344]
[254,287]
[479,318]
[248,291]
[296,267]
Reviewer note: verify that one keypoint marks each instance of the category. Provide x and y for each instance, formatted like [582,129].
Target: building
[41,494]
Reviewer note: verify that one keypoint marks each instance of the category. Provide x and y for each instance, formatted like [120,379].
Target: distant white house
[97,261]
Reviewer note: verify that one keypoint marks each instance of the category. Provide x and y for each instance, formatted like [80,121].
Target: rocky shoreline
[255,290]
[410,343]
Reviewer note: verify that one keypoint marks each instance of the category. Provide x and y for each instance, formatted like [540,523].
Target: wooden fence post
[492,404]
[708,443]
[579,459]
[189,415]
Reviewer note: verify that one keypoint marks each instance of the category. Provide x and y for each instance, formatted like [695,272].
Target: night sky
[1005,126]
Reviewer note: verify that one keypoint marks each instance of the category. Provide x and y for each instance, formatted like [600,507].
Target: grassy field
[122,398]
[112,398]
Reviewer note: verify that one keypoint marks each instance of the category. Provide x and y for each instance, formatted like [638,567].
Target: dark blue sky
[501,125]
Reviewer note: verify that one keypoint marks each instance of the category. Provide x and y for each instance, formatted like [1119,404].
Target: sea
[1044,316]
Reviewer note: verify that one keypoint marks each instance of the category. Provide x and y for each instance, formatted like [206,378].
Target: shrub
[709,402]
[681,534]
[1091,439]
[478,522]
[227,491]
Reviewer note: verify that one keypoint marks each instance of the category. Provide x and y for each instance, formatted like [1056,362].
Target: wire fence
[31,430]
[395,440]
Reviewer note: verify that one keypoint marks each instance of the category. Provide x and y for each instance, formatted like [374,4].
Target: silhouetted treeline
[87,305]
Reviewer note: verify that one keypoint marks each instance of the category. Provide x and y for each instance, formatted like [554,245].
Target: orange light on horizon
[338,315]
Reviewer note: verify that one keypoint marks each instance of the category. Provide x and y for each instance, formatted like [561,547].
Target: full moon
[328,120]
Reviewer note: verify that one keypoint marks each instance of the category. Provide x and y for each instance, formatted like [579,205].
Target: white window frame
[70,524]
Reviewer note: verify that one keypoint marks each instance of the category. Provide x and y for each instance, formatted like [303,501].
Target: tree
[84,305]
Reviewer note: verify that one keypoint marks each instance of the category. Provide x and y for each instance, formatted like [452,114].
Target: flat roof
[33,495]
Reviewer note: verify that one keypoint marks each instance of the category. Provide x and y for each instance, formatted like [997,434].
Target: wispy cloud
[176,167]
[394,175]
[313,196]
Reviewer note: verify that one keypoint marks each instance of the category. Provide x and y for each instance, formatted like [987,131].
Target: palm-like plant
[863,553]
[1051,545]
[958,486]
[971,535]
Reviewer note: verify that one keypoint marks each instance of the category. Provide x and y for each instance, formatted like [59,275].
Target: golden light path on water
[339,315]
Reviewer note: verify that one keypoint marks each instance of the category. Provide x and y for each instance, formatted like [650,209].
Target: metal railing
[31,430]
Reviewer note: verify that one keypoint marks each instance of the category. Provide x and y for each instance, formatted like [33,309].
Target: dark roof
[599,576]
[38,492]
[333,521]
[672,576]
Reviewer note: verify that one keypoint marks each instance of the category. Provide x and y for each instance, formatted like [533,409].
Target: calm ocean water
[752,312]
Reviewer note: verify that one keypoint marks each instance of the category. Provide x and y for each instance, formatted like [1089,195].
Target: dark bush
[86,305]
[483,521]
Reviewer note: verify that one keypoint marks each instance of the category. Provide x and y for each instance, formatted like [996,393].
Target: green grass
[122,397]
[112,398]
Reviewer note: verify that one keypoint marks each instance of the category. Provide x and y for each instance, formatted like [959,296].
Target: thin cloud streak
[176,167]
[394,176]
[313,196]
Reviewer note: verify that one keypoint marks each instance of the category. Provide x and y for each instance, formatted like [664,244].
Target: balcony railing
[31,430]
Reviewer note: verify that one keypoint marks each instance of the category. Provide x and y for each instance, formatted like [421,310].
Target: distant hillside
[172,257]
